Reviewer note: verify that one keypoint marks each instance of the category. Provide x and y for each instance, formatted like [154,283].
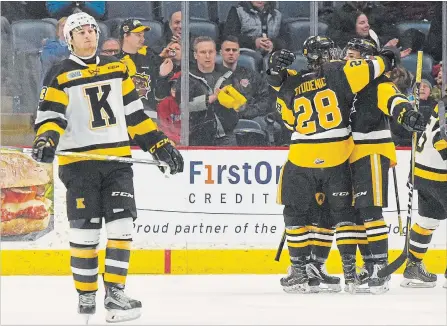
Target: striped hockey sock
[117,262]
[84,266]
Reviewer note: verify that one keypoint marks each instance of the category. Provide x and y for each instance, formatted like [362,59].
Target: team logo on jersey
[80,203]
[74,74]
[244,82]
[142,84]
[319,161]
[320,198]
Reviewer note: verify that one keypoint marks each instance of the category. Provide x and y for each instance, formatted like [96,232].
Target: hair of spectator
[230,38]
[111,39]
[60,22]
[172,15]
[201,39]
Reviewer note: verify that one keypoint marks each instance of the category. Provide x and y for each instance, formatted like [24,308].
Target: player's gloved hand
[280,60]
[165,152]
[44,149]
[392,54]
[413,121]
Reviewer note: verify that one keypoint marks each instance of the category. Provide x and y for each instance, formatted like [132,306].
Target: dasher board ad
[224,199]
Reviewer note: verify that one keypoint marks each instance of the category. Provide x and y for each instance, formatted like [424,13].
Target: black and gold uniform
[316,105]
[430,180]
[374,152]
[144,70]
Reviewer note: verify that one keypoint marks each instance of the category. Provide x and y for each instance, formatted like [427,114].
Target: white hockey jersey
[92,108]
[431,153]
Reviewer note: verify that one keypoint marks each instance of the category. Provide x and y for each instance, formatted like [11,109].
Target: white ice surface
[222,300]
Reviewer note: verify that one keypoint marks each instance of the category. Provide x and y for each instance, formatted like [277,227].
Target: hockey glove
[280,60]
[44,148]
[392,54]
[412,121]
[165,152]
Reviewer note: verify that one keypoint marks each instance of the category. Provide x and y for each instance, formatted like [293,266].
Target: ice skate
[296,281]
[416,276]
[87,305]
[364,275]
[120,307]
[378,285]
[320,280]
[350,274]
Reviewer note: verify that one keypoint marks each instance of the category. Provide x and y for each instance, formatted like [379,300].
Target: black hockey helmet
[365,47]
[318,50]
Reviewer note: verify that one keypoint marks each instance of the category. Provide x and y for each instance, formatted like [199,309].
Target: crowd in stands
[230,103]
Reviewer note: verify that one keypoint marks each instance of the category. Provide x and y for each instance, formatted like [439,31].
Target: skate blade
[299,288]
[359,289]
[379,289]
[86,318]
[416,284]
[328,288]
[117,316]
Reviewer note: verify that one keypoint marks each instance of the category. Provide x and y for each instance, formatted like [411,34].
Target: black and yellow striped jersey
[93,108]
[316,107]
[369,119]
[144,70]
[431,153]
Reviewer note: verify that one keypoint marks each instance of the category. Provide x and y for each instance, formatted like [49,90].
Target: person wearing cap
[426,101]
[143,63]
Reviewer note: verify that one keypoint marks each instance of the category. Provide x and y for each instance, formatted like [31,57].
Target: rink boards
[218,217]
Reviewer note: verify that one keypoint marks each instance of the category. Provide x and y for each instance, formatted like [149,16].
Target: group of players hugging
[336,177]
[340,153]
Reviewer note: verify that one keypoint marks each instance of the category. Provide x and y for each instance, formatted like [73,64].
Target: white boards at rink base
[218,217]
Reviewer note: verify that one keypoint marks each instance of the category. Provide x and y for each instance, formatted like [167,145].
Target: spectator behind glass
[58,9]
[173,34]
[169,112]
[212,102]
[170,66]
[257,25]
[54,51]
[436,91]
[247,81]
[426,102]
[356,25]
[110,47]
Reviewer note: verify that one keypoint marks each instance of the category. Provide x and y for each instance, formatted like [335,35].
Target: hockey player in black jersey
[315,105]
[89,104]
[430,180]
[374,153]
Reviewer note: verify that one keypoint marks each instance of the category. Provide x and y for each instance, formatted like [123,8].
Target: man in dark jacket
[212,112]
[247,81]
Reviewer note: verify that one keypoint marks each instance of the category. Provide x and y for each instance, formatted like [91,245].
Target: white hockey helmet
[76,21]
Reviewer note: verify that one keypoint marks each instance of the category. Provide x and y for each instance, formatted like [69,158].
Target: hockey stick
[109,158]
[393,266]
[281,245]
[399,218]
[442,123]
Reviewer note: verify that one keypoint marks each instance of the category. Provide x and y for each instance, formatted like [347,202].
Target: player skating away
[88,104]
[374,153]
[430,180]
[315,105]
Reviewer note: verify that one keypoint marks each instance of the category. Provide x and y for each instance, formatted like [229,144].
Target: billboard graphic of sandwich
[26,197]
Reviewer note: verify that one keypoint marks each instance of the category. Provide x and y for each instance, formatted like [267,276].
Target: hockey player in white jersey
[430,180]
[89,104]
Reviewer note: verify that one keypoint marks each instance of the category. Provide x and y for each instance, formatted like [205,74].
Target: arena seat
[250,133]
[410,63]
[197,9]
[299,30]
[140,9]
[423,26]
[203,28]
[291,10]
[29,34]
